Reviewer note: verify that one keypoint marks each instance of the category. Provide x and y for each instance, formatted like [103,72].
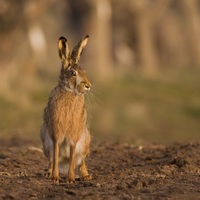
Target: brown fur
[64,132]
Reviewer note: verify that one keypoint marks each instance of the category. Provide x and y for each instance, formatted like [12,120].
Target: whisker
[94,97]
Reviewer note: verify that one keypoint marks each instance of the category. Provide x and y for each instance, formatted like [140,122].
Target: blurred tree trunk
[190,8]
[102,29]
[33,11]
[147,52]
[146,14]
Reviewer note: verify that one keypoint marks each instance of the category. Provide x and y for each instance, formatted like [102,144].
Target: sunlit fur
[64,133]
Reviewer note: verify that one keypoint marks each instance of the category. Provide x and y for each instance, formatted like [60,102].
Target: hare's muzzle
[83,87]
[87,86]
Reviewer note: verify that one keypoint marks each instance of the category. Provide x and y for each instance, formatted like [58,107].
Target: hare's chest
[68,116]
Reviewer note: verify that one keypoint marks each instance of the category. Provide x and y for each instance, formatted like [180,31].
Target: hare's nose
[87,86]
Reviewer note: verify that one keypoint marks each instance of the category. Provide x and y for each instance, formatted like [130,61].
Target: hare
[64,133]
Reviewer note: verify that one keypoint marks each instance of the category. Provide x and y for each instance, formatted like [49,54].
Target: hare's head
[72,77]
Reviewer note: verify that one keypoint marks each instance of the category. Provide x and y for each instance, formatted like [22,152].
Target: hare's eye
[72,73]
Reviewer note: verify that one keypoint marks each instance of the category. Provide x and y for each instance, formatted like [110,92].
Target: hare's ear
[78,49]
[64,52]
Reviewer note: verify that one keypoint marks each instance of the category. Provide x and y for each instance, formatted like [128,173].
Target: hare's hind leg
[50,168]
[55,171]
[47,148]
[84,172]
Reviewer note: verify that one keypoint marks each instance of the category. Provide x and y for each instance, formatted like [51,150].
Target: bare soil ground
[119,172]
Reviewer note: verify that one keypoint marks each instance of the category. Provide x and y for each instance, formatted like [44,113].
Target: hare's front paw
[87,177]
[71,178]
[71,181]
[55,177]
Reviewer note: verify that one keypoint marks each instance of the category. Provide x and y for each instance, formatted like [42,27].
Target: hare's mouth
[81,92]
[83,88]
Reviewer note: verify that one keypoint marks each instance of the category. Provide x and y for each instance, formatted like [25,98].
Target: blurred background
[143,59]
